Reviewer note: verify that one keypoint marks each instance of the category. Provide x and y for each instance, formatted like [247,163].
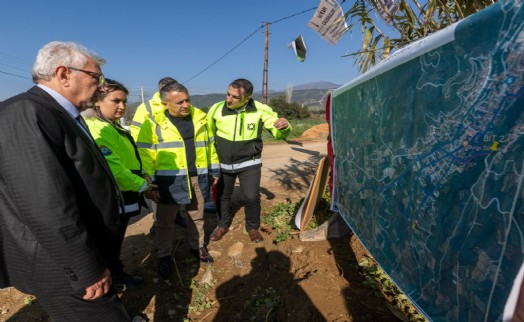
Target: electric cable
[245,39]
[20,69]
[216,61]
[210,65]
[14,75]
[293,15]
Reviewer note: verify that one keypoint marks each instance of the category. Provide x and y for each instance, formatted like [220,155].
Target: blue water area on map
[429,167]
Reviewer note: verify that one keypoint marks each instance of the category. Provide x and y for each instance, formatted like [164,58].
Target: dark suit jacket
[59,202]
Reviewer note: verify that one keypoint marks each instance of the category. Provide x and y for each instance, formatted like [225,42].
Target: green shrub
[288,110]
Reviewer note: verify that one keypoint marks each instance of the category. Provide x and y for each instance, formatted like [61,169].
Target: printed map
[429,164]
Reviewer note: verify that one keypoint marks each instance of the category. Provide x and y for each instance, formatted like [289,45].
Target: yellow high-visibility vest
[162,150]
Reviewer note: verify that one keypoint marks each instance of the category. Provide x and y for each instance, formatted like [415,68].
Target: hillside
[312,98]
[312,95]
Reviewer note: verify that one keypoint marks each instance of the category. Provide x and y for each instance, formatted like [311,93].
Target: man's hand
[98,289]
[151,187]
[147,178]
[152,195]
[281,124]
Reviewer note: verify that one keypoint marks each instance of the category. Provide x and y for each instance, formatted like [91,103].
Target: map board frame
[429,164]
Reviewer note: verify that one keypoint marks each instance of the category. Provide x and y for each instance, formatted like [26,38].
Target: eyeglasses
[99,77]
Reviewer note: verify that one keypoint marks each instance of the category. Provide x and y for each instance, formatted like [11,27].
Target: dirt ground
[288,281]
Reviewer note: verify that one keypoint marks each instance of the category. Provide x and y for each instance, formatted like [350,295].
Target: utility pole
[142,93]
[265,73]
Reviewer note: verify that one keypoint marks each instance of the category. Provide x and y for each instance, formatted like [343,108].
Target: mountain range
[313,95]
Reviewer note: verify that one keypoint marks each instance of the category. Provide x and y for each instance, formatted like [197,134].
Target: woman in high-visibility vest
[119,149]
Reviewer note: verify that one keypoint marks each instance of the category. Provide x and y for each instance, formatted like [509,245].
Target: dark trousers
[118,266]
[250,190]
[113,262]
[75,309]
[165,222]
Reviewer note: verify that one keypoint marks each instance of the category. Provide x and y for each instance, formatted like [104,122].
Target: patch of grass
[263,302]
[29,300]
[200,301]
[378,281]
[281,218]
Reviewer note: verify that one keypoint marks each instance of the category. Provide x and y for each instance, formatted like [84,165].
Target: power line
[11,57]
[210,65]
[20,69]
[238,45]
[216,61]
[14,75]
[296,14]
[265,78]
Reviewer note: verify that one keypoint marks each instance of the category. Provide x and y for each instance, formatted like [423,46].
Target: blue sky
[144,41]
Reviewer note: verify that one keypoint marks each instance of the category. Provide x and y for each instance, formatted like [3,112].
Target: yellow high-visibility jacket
[145,111]
[238,134]
[163,155]
[121,154]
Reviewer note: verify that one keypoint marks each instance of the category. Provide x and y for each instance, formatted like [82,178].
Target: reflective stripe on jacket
[163,154]
[122,157]
[238,133]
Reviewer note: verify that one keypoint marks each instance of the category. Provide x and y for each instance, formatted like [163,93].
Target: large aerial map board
[429,164]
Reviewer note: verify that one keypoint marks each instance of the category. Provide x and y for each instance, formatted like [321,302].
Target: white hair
[58,53]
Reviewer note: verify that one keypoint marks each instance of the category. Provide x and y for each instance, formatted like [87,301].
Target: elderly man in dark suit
[59,209]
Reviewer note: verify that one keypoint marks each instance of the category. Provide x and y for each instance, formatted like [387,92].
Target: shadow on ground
[296,175]
[269,292]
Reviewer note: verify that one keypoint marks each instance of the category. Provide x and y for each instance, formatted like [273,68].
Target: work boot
[255,235]
[218,233]
[202,255]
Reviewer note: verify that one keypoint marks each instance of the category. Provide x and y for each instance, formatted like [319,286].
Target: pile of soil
[320,131]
